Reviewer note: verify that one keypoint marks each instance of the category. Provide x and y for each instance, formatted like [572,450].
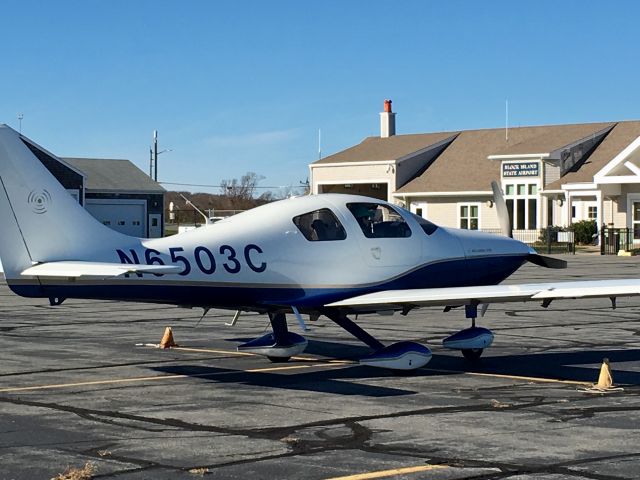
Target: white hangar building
[551,175]
[116,192]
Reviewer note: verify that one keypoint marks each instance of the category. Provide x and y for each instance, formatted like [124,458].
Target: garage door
[124,216]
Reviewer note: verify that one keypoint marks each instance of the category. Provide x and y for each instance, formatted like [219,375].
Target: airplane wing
[94,269]
[545,292]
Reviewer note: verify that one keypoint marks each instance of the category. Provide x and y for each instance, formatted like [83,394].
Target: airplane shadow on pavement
[579,366]
[582,366]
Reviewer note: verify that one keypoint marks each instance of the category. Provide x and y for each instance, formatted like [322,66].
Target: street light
[188,202]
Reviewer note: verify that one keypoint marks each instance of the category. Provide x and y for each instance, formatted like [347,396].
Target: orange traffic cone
[605,380]
[167,339]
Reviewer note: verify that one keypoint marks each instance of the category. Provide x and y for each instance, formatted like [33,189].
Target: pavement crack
[270,433]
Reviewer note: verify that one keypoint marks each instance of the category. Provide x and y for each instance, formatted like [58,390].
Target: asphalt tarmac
[75,388]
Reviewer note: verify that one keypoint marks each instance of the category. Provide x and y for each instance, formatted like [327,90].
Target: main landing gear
[278,346]
[470,341]
[281,345]
[397,356]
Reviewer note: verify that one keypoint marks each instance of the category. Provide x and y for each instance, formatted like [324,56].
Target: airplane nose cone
[490,258]
[481,244]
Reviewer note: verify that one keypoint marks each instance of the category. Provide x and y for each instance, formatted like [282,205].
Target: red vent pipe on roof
[387,106]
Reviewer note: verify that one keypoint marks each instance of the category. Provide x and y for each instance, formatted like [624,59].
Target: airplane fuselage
[261,259]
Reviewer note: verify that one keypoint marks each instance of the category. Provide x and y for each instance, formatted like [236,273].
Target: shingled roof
[616,140]
[111,175]
[463,166]
[553,138]
[374,149]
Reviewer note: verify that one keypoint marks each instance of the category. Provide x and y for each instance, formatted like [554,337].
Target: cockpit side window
[428,227]
[379,221]
[320,226]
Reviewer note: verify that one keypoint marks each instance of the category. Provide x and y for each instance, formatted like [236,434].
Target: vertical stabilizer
[40,221]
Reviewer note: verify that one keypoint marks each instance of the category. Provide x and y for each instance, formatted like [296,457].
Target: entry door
[155,228]
[635,221]
[386,239]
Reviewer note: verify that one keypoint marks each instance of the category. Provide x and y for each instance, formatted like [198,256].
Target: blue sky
[245,85]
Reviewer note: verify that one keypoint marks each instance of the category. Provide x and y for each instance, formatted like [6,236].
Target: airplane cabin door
[385,237]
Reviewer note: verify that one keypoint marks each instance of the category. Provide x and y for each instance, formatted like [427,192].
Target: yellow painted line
[94,382]
[390,473]
[160,378]
[273,369]
[247,354]
[511,377]
[209,350]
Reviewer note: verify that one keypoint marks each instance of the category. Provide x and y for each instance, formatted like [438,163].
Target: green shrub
[584,231]
[553,231]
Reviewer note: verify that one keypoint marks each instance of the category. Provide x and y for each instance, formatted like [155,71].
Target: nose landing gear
[470,341]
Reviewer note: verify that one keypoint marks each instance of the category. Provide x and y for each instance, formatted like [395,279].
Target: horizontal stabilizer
[94,269]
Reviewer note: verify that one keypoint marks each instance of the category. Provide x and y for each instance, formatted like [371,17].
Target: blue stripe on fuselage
[452,273]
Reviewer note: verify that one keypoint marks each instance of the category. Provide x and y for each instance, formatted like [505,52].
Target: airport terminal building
[551,175]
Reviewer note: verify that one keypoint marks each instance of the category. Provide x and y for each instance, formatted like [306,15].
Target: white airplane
[332,255]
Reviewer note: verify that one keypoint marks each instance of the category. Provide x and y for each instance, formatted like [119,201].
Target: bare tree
[242,189]
[305,186]
[268,196]
[241,192]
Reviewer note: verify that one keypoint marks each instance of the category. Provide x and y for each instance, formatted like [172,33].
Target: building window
[469,216]
[592,213]
[419,212]
[522,204]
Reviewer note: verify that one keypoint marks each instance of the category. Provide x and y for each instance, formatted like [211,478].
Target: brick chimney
[387,121]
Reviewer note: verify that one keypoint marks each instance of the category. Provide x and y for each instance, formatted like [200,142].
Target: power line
[215,186]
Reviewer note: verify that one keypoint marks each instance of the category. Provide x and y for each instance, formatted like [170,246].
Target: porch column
[599,214]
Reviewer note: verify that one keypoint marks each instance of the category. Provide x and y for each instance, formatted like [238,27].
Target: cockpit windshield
[428,227]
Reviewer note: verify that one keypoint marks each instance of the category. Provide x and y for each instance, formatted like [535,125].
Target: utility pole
[506,120]
[155,154]
[153,157]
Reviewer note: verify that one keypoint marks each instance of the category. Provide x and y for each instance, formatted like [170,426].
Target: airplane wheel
[278,359]
[472,353]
